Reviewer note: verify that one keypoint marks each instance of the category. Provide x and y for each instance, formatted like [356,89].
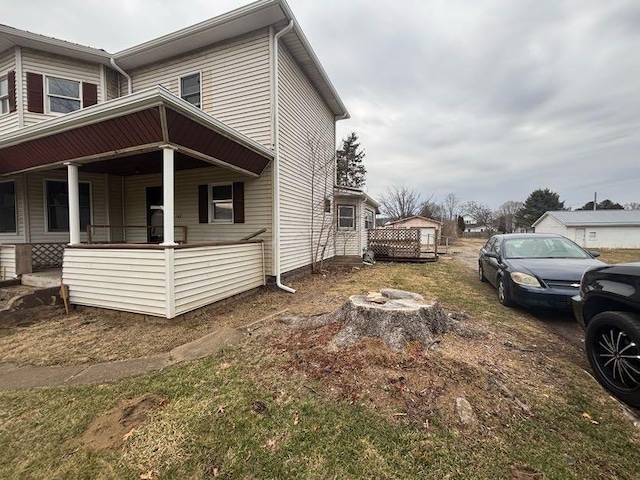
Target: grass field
[282,405]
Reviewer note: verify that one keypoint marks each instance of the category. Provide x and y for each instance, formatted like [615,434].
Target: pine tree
[350,171]
[538,202]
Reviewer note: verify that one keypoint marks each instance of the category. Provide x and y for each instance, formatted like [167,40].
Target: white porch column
[168,188]
[74,203]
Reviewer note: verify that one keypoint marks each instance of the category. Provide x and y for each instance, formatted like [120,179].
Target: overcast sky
[488,99]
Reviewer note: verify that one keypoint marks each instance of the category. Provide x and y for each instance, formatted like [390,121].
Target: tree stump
[396,316]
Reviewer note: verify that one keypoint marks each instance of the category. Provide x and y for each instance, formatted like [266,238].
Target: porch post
[74,203]
[168,194]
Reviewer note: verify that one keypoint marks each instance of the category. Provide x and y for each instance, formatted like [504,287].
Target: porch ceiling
[132,125]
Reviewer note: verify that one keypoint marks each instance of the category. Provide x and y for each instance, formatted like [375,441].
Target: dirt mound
[109,431]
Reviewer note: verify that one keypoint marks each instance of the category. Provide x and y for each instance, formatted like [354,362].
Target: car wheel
[481,276]
[503,293]
[612,342]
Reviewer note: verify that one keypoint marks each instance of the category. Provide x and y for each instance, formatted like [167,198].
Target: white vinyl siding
[8,121]
[37,206]
[209,274]
[7,261]
[303,117]
[257,206]
[54,66]
[235,82]
[120,279]
[550,224]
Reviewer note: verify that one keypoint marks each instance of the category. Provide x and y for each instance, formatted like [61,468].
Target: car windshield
[542,248]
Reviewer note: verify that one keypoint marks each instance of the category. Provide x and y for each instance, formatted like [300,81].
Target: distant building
[594,228]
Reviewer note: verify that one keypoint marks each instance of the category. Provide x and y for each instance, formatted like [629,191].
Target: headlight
[524,279]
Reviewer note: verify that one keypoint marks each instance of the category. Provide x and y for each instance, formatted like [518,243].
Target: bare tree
[400,202]
[451,206]
[322,175]
[632,206]
[482,214]
[430,209]
[507,212]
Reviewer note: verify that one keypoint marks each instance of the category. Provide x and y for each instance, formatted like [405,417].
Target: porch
[145,202]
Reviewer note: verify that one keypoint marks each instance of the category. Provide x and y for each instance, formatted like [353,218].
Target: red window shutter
[35,93]
[203,203]
[11,80]
[238,202]
[89,94]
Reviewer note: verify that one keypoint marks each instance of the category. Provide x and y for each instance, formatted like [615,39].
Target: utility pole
[595,200]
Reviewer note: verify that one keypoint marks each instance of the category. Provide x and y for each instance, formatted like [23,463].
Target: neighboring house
[146,174]
[594,228]
[429,229]
[355,216]
[471,225]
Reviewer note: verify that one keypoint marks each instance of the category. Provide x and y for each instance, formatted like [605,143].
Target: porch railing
[92,229]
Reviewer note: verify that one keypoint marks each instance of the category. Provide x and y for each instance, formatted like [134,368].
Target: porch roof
[134,124]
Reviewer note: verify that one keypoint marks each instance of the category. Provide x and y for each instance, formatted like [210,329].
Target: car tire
[481,276]
[612,342]
[504,297]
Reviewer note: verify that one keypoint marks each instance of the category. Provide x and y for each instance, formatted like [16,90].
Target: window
[221,203]
[346,216]
[57,195]
[368,220]
[592,235]
[4,95]
[63,96]
[8,207]
[190,89]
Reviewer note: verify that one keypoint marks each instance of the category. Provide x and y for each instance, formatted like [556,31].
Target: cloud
[488,99]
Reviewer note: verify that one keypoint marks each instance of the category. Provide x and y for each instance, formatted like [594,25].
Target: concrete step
[44,280]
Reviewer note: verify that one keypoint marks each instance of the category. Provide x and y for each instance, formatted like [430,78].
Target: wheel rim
[501,292]
[617,357]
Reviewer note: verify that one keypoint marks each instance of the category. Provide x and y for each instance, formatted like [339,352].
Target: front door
[154,214]
[580,236]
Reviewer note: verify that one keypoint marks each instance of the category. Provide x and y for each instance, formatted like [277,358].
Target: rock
[465,412]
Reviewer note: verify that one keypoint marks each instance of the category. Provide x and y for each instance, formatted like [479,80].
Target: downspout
[276,162]
[126,75]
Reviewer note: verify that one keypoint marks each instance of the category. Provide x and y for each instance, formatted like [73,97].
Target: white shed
[594,228]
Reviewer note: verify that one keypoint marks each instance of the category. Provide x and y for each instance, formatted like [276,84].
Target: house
[174,173]
[594,228]
[429,229]
[356,215]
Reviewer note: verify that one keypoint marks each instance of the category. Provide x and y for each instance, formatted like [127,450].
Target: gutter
[126,75]
[276,162]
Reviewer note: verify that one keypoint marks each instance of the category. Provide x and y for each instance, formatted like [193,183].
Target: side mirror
[492,255]
[594,254]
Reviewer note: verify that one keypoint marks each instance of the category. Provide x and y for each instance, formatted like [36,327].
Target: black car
[608,308]
[534,269]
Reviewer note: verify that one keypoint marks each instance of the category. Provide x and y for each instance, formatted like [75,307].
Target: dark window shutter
[11,80]
[238,202]
[203,203]
[89,94]
[35,93]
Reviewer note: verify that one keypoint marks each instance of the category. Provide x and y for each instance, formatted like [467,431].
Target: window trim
[353,216]
[47,231]
[211,202]
[15,206]
[199,73]
[47,95]
[5,78]
[373,219]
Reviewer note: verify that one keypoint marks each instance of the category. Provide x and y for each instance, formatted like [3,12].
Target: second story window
[63,96]
[190,89]
[4,95]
